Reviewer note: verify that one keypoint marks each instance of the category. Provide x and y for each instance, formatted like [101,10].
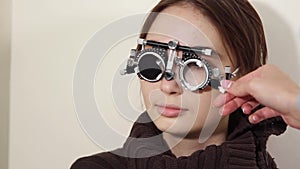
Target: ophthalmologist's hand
[268,86]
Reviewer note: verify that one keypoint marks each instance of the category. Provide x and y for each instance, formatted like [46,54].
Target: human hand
[268,86]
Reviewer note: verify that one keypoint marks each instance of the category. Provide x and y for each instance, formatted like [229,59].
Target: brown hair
[238,23]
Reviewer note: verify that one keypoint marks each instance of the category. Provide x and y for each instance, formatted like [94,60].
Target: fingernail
[246,111]
[226,84]
[255,119]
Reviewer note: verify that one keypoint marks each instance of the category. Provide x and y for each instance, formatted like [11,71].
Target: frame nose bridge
[172,54]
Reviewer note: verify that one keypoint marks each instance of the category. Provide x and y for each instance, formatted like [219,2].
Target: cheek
[199,105]
[204,105]
[199,102]
[201,110]
[145,92]
[147,89]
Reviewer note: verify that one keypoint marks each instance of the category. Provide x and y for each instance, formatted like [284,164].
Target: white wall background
[47,37]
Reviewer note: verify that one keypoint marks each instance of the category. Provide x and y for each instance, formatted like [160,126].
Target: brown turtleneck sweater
[244,148]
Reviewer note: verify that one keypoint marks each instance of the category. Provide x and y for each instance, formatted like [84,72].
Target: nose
[170,87]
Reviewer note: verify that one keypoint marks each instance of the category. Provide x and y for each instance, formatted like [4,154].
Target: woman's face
[172,108]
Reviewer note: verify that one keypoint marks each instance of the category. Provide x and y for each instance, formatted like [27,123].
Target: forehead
[187,25]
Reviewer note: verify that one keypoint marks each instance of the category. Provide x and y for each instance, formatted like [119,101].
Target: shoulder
[104,160]
[239,123]
[240,127]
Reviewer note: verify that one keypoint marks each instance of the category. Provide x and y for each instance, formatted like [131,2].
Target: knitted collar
[245,146]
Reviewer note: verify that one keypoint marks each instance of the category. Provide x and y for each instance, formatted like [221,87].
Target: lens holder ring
[159,53]
[190,57]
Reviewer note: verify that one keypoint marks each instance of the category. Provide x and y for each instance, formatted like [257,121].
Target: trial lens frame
[173,47]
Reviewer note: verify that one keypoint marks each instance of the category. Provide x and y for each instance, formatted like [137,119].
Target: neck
[188,145]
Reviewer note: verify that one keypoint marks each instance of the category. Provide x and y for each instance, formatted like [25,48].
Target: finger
[241,87]
[263,114]
[238,88]
[234,104]
[222,99]
[249,106]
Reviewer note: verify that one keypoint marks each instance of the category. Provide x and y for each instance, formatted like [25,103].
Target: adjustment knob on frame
[173,44]
[169,75]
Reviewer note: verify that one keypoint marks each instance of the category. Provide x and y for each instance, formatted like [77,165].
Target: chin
[177,126]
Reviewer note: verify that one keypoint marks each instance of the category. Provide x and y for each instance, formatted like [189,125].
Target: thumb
[242,86]
[237,88]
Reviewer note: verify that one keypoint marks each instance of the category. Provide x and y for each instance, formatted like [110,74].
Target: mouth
[170,110]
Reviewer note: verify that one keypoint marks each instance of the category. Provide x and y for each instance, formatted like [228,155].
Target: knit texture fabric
[244,148]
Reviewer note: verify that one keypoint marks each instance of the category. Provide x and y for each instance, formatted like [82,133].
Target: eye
[151,64]
[194,73]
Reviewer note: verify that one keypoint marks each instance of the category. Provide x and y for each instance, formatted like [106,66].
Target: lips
[170,110]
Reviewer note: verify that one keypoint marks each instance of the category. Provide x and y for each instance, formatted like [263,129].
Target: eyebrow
[198,49]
